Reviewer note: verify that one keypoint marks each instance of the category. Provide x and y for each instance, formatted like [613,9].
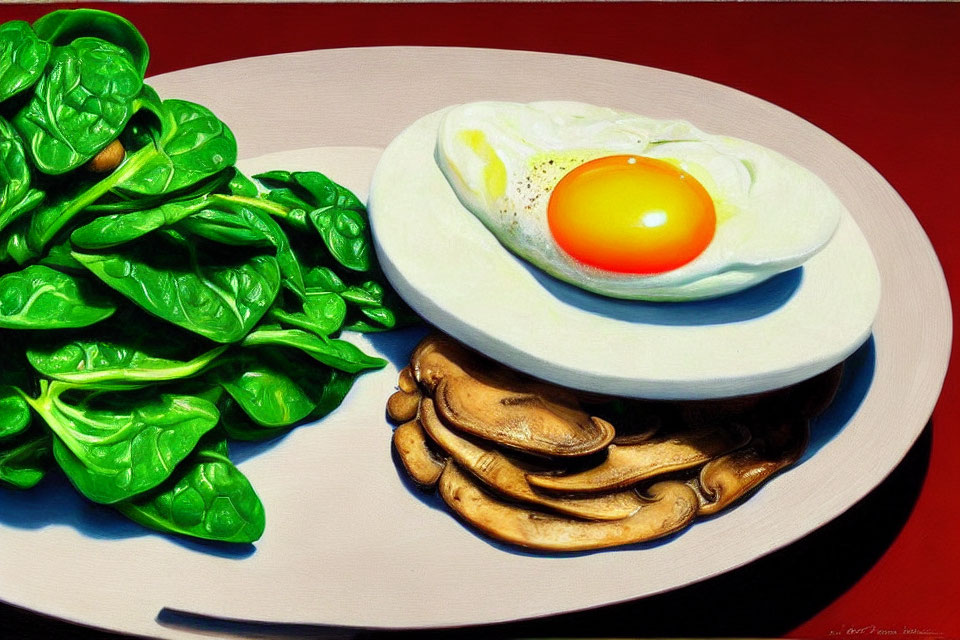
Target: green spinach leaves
[154,301]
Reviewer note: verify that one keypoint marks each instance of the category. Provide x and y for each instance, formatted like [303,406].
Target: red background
[882,78]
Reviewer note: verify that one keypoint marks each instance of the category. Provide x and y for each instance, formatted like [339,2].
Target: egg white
[503,159]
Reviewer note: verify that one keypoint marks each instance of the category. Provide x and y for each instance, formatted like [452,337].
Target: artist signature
[876,630]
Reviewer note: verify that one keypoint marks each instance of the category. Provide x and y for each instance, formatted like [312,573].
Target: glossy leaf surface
[80,105]
[119,228]
[221,300]
[208,498]
[25,462]
[62,27]
[124,359]
[14,412]
[129,446]
[195,145]
[267,393]
[16,196]
[335,353]
[22,58]
[39,297]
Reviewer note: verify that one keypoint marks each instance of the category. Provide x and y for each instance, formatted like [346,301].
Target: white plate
[454,272]
[347,541]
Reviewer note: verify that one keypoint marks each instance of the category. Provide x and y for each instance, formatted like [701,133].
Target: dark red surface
[882,78]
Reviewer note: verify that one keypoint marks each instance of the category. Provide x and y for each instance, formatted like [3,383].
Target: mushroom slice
[629,464]
[730,477]
[415,454]
[402,406]
[438,357]
[500,473]
[635,437]
[406,382]
[499,410]
[671,507]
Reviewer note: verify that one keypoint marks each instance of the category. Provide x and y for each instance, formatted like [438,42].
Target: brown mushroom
[407,382]
[500,473]
[671,507]
[629,464]
[730,477]
[494,409]
[438,357]
[416,455]
[402,406]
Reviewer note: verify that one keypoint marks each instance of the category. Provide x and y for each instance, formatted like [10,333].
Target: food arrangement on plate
[627,207]
[526,463]
[155,303]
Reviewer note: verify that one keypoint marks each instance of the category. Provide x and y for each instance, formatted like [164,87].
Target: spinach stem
[273,208]
[39,237]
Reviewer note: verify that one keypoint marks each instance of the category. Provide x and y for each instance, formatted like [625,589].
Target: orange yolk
[631,214]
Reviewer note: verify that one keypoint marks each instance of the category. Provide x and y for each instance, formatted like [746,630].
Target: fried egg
[632,207]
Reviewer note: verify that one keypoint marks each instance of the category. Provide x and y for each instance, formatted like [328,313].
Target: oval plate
[452,270]
[347,541]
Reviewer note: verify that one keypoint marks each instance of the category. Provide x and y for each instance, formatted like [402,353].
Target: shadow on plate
[749,304]
[54,502]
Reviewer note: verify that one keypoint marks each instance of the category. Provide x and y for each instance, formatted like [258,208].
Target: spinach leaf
[241,185]
[333,211]
[257,222]
[39,297]
[323,313]
[106,360]
[14,412]
[114,447]
[24,463]
[194,146]
[207,498]
[16,196]
[58,257]
[225,227]
[22,58]
[334,390]
[249,413]
[335,353]
[63,26]
[344,231]
[238,425]
[324,279]
[216,297]
[265,392]
[119,228]
[80,105]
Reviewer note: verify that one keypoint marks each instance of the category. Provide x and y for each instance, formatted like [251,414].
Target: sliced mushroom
[730,477]
[415,454]
[438,357]
[402,406]
[500,473]
[629,464]
[529,422]
[671,507]
[637,437]
[406,382]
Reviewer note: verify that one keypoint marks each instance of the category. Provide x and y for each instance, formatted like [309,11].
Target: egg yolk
[631,214]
